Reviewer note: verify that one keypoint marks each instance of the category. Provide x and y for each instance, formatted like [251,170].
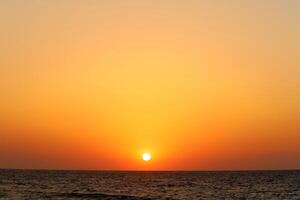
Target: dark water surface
[52,184]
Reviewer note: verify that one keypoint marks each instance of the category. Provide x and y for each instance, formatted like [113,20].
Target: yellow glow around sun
[146,156]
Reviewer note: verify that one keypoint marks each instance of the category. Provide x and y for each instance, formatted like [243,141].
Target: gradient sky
[201,85]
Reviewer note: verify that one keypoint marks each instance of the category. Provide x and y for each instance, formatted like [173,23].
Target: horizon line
[133,170]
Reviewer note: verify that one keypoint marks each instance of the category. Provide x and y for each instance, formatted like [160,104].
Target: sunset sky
[200,85]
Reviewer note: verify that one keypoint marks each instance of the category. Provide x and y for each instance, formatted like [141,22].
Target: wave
[100,196]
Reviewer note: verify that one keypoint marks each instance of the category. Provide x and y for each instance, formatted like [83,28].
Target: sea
[142,185]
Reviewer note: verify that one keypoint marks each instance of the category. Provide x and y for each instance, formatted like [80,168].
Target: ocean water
[54,184]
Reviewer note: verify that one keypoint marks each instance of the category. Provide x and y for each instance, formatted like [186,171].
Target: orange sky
[201,85]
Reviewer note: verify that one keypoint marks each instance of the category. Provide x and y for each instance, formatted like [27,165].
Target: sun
[146,156]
